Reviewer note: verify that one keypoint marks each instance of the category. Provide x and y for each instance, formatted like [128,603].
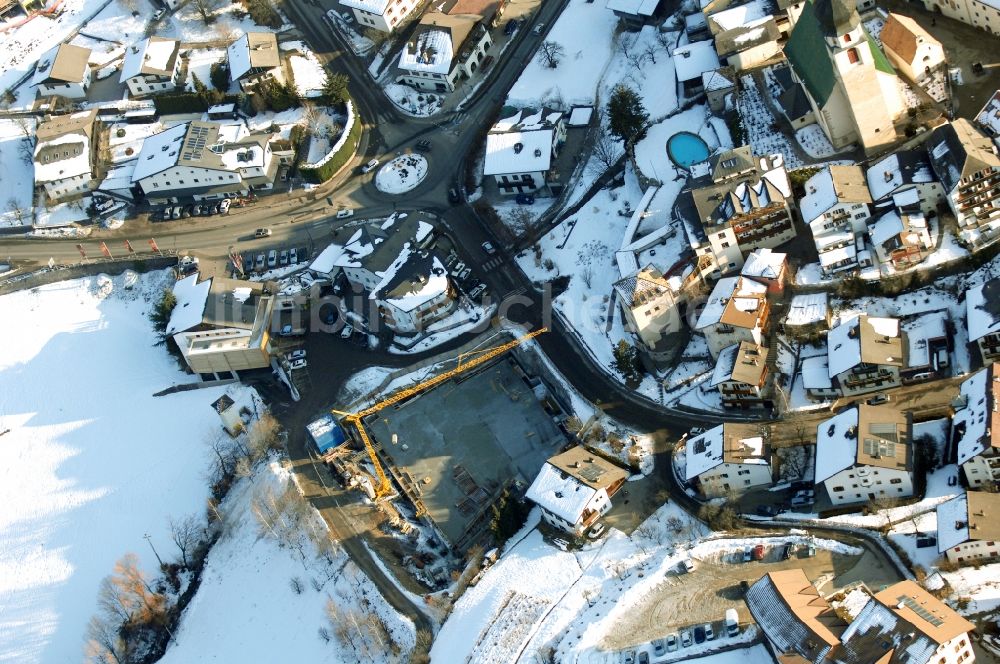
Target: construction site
[453,444]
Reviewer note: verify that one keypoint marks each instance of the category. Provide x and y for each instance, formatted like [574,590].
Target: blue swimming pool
[686,149]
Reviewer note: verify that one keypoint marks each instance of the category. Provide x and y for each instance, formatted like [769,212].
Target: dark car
[699,634]
[786,552]
[767,510]
[424,145]
[525,199]
[510,28]
[925,541]
[453,195]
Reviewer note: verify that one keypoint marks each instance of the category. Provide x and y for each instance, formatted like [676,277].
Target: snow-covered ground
[93,461]
[200,63]
[757,120]
[186,24]
[413,102]
[264,599]
[401,174]
[17,183]
[814,141]
[307,71]
[584,31]
[643,63]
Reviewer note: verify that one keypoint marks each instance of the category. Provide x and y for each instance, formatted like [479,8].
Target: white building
[691,61]
[443,49]
[64,155]
[253,58]
[905,173]
[975,428]
[204,161]
[983,14]
[863,454]
[865,354]
[520,150]
[64,71]
[414,291]
[910,48]
[836,207]
[574,489]
[151,66]
[989,118]
[729,458]
[381,15]
[902,623]
[901,240]
[816,379]
[808,311]
[737,310]
[968,527]
[650,307]
[745,35]
[741,376]
[982,316]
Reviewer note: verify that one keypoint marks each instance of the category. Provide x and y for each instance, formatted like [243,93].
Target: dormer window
[852,56]
[847,38]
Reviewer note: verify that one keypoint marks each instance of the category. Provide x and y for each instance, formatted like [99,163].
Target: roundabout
[402,174]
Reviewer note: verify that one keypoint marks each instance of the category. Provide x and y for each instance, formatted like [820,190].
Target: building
[902,623]
[574,489]
[151,66]
[414,291]
[910,48]
[850,84]
[64,155]
[865,354]
[64,71]
[816,379]
[905,173]
[741,376]
[728,458]
[928,341]
[718,85]
[806,313]
[740,205]
[633,13]
[736,311]
[652,307]
[982,14]
[767,267]
[975,428]
[836,207]
[901,239]
[745,35]
[864,453]
[968,528]
[520,150]
[204,161]
[221,325]
[443,49]
[491,11]
[982,315]
[234,415]
[989,118]
[690,62]
[381,15]
[969,170]
[253,58]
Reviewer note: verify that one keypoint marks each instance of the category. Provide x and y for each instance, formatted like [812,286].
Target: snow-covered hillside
[92,461]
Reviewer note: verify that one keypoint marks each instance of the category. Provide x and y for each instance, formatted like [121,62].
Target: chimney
[888,176]
[812,189]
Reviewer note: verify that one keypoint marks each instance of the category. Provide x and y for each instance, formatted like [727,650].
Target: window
[852,56]
[895,480]
[847,38]
[725,244]
[838,488]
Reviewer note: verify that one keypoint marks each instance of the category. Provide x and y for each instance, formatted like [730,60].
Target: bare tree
[104,644]
[551,53]
[264,437]
[520,220]
[296,585]
[187,534]
[206,9]
[587,274]
[605,154]
[15,208]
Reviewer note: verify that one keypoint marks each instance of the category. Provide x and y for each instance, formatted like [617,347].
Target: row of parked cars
[685,639]
[194,210]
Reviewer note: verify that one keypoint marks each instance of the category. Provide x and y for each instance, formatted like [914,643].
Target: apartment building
[975,428]
[837,206]
[63,71]
[742,378]
[728,458]
[253,58]
[381,15]
[982,306]
[151,66]
[64,154]
[736,311]
[443,49]
[865,354]
[651,305]
[521,149]
[968,527]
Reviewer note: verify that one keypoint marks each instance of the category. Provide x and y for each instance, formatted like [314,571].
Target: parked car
[686,639]
[877,399]
[524,199]
[803,501]
[924,541]
[176,212]
[347,331]
[952,480]
[259,265]
[158,14]
[687,565]
[767,510]
[786,551]
[489,248]
[810,550]
[477,291]
[283,260]
[659,647]
[297,364]
[272,258]
[758,552]
[296,355]
[510,28]
[628,657]
[671,642]
[328,314]
[748,554]
[453,195]
[457,270]
[465,274]
[643,657]
[595,531]
[563,545]
[224,206]
[370,166]
[709,632]
[539,28]
[699,634]
[345,213]
[732,622]
[424,145]
[293,256]
[286,330]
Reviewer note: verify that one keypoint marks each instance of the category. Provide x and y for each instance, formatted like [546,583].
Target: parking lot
[260,260]
[682,601]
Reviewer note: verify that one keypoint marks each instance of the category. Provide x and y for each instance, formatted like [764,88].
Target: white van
[732,622]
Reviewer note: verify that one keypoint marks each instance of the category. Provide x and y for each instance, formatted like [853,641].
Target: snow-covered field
[584,31]
[306,69]
[93,461]
[17,183]
[186,24]
[263,599]
[414,102]
[200,64]
[401,174]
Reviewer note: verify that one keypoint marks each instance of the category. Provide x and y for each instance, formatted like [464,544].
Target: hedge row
[344,154]
[186,102]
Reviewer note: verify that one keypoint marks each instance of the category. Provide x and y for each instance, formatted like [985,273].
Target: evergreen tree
[627,117]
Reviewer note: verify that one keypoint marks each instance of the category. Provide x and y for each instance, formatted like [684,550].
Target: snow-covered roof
[864,338]
[254,50]
[974,422]
[816,373]
[835,449]
[66,63]
[190,308]
[411,280]
[732,442]
[560,493]
[518,152]
[764,264]
[119,178]
[983,309]
[328,259]
[952,522]
[430,50]
[159,152]
[636,7]
[888,226]
[704,452]
[731,297]
[716,305]
[919,331]
[989,116]
[836,257]
[63,146]
[152,56]
[899,169]
[580,116]
[714,80]
[807,309]
[743,15]
[372,6]
[693,60]
[833,184]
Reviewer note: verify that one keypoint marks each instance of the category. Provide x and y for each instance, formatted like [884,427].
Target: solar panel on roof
[699,446]
[910,603]
[591,473]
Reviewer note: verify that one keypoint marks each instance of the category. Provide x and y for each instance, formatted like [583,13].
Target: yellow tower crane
[478,357]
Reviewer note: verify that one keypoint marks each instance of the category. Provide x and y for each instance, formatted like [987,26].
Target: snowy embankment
[317,161]
[91,461]
[271,593]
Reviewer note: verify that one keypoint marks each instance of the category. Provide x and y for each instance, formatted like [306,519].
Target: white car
[686,638]
[539,28]
[296,355]
[158,14]
[347,331]
[595,531]
[688,565]
[297,364]
[709,632]
[224,206]
[370,166]
[345,213]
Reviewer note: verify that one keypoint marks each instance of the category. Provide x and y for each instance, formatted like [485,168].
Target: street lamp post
[150,540]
